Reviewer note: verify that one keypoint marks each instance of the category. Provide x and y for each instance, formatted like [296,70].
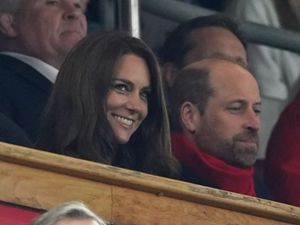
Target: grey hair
[68,210]
[10,5]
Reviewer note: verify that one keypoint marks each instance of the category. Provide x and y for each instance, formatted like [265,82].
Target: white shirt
[48,71]
[277,71]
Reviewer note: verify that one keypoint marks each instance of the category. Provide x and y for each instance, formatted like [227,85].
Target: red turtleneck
[215,171]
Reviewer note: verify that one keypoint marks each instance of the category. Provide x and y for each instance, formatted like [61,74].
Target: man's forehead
[210,41]
[29,4]
[235,87]
[76,1]
[211,64]
[227,75]
[205,32]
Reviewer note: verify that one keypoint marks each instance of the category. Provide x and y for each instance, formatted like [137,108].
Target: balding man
[215,116]
[35,37]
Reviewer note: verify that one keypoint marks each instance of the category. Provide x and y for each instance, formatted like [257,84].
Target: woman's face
[127,99]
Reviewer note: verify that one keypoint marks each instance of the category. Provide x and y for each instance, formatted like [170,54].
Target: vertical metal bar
[129,16]
[134,18]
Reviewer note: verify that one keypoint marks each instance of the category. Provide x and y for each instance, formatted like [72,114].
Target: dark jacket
[23,94]
[12,133]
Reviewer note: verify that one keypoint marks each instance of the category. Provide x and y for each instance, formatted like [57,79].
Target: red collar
[217,172]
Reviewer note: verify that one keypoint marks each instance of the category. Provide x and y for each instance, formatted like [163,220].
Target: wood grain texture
[41,180]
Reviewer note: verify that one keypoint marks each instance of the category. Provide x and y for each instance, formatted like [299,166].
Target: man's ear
[190,116]
[7,24]
[169,71]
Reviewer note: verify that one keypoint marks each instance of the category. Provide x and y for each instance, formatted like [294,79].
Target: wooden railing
[41,180]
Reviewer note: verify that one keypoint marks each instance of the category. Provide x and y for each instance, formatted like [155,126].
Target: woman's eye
[145,95]
[52,2]
[121,87]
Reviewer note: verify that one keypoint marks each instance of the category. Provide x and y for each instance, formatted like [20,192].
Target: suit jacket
[12,133]
[23,94]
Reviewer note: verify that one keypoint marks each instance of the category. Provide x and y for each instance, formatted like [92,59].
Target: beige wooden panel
[42,189]
[145,209]
[41,180]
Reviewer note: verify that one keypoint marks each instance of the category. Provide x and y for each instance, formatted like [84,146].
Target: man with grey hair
[70,213]
[35,37]
[215,106]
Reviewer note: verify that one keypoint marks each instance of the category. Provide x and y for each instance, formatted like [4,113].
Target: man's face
[228,128]
[48,29]
[215,41]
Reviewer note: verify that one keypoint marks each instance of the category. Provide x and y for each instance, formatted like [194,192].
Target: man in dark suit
[35,37]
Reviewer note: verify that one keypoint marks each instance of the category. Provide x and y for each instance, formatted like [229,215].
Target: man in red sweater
[214,111]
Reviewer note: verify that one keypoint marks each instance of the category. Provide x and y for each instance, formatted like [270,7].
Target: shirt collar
[48,71]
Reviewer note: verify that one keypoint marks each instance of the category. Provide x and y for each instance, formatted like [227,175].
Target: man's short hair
[190,85]
[177,44]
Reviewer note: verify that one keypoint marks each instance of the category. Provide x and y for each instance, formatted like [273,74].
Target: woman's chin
[122,140]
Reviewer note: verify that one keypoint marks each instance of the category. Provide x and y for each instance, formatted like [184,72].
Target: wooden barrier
[41,180]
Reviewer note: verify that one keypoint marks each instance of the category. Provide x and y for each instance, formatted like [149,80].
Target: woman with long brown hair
[108,106]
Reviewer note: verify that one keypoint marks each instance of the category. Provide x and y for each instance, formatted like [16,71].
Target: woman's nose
[135,103]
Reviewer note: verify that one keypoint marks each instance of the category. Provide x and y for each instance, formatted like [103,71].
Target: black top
[12,133]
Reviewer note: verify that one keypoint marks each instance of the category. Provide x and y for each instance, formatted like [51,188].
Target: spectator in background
[70,213]
[214,110]
[282,163]
[277,71]
[200,38]
[108,106]
[35,37]
[216,5]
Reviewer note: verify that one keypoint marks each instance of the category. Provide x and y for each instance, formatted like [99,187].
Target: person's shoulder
[10,132]
[6,61]
[11,66]
[16,72]
[188,175]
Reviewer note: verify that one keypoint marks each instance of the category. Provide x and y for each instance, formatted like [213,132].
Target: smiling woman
[108,106]
[127,102]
